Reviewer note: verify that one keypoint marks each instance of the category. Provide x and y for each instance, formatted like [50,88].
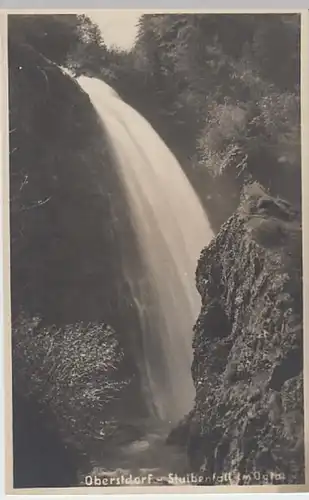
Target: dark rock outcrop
[65,198]
[247,368]
[66,265]
[65,204]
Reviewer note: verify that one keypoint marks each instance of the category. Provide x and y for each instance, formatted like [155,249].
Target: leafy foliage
[90,49]
[222,90]
[236,77]
[73,371]
[58,36]
[223,86]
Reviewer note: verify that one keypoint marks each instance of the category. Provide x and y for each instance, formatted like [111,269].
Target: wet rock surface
[247,368]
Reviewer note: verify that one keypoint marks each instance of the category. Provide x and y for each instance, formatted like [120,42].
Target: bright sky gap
[119,28]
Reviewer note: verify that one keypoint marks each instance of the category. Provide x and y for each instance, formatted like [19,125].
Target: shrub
[220,144]
[74,372]
[260,138]
[279,118]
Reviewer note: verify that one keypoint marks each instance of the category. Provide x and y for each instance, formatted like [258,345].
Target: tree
[89,54]
[53,36]
[65,39]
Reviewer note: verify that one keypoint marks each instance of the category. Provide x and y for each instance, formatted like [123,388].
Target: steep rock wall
[247,368]
[66,266]
[64,194]
[65,201]
[247,364]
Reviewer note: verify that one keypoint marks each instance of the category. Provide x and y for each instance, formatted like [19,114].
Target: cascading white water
[171,229]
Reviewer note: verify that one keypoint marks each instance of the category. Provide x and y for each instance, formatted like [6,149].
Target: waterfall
[171,229]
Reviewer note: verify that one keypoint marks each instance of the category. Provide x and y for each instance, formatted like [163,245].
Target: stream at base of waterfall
[146,461]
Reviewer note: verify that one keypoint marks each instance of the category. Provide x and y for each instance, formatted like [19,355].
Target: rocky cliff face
[247,367]
[65,201]
[66,266]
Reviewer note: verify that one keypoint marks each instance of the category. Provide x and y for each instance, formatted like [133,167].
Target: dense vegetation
[222,91]
[233,82]
[74,374]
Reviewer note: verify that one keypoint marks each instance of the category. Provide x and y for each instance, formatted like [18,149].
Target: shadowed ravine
[171,229]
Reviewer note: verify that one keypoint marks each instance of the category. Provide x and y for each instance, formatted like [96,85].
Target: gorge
[113,299]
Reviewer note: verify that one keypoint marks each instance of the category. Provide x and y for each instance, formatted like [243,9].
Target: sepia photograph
[156,270]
